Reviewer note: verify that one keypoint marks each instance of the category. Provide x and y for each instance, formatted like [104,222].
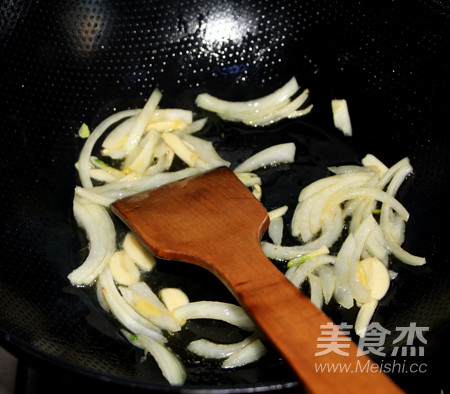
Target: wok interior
[67,62]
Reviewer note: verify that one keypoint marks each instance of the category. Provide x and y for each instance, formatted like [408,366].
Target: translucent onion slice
[184,151]
[142,299]
[117,137]
[327,280]
[168,114]
[403,169]
[370,160]
[229,313]
[345,169]
[389,174]
[248,354]
[100,232]
[282,153]
[106,194]
[142,119]
[364,317]
[206,151]
[169,364]
[86,151]
[324,184]
[281,252]
[249,179]
[275,230]
[102,175]
[316,294]
[298,273]
[278,212]
[126,315]
[342,265]
[195,126]
[289,110]
[208,349]
[259,105]
[364,192]
[341,116]
[143,160]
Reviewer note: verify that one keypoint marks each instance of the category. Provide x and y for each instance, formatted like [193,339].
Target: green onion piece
[298,260]
[301,259]
[133,337]
[99,162]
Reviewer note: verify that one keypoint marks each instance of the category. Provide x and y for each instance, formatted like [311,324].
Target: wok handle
[294,325]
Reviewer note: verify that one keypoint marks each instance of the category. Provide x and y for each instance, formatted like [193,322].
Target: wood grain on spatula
[214,221]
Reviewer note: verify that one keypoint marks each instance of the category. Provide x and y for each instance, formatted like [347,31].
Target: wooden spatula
[214,221]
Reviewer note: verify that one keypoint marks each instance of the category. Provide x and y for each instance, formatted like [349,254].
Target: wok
[66,62]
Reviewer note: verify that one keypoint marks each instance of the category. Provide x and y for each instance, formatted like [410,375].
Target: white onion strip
[229,313]
[298,273]
[86,151]
[282,153]
[170,365]
[281,252]
[141,121]
[208,349]
[97,223]
[107,194]
[250,353]
[124,312]
[259,105]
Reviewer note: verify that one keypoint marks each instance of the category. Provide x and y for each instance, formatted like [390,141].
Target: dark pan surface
[64,62]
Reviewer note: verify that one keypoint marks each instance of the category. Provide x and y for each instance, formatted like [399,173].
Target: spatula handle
[282,312]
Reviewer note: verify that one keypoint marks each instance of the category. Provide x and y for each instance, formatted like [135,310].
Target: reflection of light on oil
[223,28]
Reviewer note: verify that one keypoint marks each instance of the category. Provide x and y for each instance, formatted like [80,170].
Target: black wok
[66,62]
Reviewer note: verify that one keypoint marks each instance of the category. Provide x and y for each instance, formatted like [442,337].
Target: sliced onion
[208,349]
[364,317]
[259,105]
[100,232]
[249,179]
[107,194]
[298,273]
[206,151]
[126,315]
[282,153]
[248,354]
[184,151]
[169,364]
[142,299]
[86,151]
[229,313]
[342,264]
[141,121]
[117,137]
[275,230]
[141,162]
[280,252]
[195,126]
[316,290]
[327,281]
